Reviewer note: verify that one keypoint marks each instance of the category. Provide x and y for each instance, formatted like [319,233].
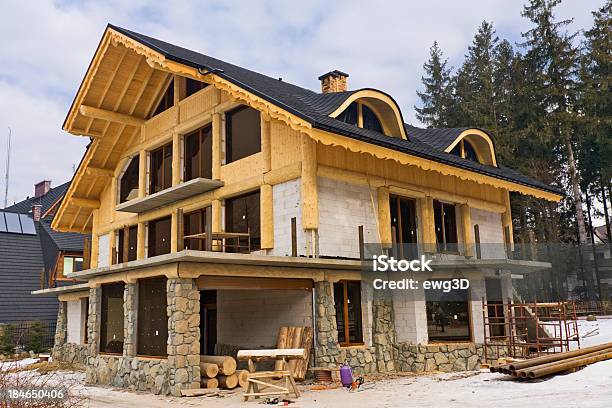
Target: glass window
[68,265]
[195,223]
[167,99]
[370,120]
[446,226]
[159,236]
[350,114]
[448,317]
[347,301]
[193,86]
[242,215]
[403,226]
[111,322]
[198,153]
[132,243]
[152,317]
[27,224]
[12,222]
[469,151]
[71,264]
[161,169]
[2,222]
[128,188]
[242,133]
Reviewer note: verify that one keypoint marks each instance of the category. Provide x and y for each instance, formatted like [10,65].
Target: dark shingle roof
[21,263]
[65,241]
[439,138]
[46,201]
[315,108]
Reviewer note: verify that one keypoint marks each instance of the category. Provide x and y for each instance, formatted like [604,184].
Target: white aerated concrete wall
[75,321]
[343,207]
[287,204]
[251,318]
[410,315]
[491,233]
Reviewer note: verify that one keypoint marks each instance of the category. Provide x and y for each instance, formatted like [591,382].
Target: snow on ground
[7,365]
[590,387]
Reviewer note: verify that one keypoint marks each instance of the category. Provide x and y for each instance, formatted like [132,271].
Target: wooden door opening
[208,321]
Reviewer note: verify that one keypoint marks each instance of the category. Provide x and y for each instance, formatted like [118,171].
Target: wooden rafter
[110,116]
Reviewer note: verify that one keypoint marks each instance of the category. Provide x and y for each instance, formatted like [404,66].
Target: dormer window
[465,150]
[361,115]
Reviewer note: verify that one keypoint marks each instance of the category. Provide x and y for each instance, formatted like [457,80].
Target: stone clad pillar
[61,328]
[183,298]
[384,331]
[130,313]
[93,321]
[328,350]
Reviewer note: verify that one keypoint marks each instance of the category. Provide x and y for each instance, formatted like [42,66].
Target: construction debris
[556,363]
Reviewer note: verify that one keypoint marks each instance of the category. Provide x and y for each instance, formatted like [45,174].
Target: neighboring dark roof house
[601,234]
[29,249]
[315,107]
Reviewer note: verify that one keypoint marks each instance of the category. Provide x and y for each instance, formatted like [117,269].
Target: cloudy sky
[47,45]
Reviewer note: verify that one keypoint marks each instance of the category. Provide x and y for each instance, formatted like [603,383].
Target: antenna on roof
[8,166]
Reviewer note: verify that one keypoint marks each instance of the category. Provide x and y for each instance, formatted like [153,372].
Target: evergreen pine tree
[436,96]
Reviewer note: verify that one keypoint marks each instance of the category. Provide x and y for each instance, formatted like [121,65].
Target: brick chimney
[334,81]
[42,188]
[36,212]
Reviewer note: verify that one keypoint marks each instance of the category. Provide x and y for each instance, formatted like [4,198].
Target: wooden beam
[310,207]
[384,216]
[85,202]
[103,114]
[86,133]
[267,217]
[216,146]
[99,172]
[467,231]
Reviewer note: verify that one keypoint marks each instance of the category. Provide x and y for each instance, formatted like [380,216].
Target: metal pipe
[556,357]
[555,363]
[570,364]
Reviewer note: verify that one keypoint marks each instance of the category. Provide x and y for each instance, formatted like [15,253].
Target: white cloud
[47,46]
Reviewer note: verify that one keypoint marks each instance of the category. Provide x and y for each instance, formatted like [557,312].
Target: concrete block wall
[476,292]
[251,318]
[75,321]
[410,316]
[287,205]
[342,208]
[491,233]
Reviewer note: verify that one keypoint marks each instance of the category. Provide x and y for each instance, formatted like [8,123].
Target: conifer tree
[436,97]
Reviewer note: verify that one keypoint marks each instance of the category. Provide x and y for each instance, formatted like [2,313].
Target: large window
[242,215]
[198,153]
[193,86]
[465,150]
[448,317]
[370,120]
[161,169]
[166,101]
[403,226]
[152,317]
[111,324]
[128,188]
[127,245]
[159,236]
[195,223]
[445,219]
[242,133]
[347,300]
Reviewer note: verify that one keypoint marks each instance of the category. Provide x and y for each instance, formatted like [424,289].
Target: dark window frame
[373,121]
[193,86]
[132,244]
[446,227]
[130,180]
[200,164]
[116,291]
[230,138]
[397,204]
[152,337]
[152,249]
[166,101]
[464,303]
[345,319]
[195,244]
[164,180]
[230,223]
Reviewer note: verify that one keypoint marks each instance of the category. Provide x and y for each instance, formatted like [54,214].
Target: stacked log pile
[220,372]
[556,363]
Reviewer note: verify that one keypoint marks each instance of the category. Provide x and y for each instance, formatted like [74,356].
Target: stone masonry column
[328,350]
[61,326]
[183,298]
[384,332]
[93,333]
[130,313]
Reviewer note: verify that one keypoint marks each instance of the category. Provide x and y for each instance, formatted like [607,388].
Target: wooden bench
[276,382]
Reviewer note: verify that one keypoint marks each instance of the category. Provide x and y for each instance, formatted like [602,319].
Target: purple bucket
[346,375]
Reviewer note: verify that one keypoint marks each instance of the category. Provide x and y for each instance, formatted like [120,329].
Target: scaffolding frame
[528,330]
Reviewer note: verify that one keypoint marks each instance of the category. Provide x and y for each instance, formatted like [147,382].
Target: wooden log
[226,364]
[209,382]
[209,370]
[228,381]
[302,365]
[243,378]
[263,354]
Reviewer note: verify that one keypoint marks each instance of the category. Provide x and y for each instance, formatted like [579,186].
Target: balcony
[170,195]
